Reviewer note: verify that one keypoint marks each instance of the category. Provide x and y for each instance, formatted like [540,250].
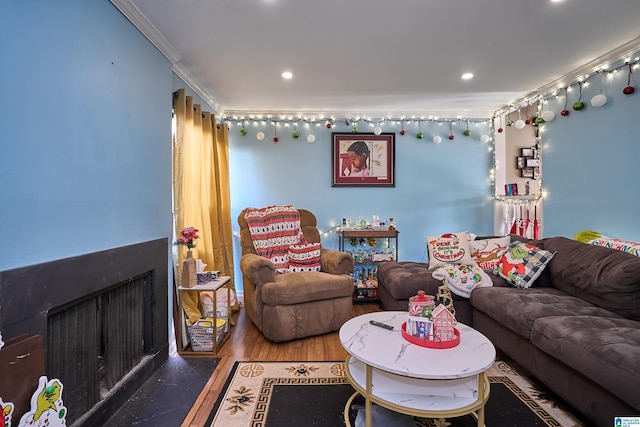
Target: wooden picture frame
[536,173]
[532,163]
[526,152]
[526,173]
[362,160]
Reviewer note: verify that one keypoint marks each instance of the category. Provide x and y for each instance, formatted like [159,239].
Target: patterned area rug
[274,394]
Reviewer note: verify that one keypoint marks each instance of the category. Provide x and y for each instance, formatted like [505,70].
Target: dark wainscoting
[31,296]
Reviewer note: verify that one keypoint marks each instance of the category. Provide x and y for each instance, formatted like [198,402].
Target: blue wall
[86,132]
[439,187]
[86,151]
[590,162]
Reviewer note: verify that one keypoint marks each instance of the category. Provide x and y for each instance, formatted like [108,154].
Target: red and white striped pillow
[304,257]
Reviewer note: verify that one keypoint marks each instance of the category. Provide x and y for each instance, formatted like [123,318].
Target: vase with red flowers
[187,238]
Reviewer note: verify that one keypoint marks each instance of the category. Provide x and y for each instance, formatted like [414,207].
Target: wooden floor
[246,343]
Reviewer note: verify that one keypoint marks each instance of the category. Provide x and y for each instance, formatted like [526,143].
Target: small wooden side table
[214,285]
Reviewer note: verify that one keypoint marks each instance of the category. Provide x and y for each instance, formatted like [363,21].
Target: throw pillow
[522,264]
[450,248]
[622,245]
[487,252]
[305,257]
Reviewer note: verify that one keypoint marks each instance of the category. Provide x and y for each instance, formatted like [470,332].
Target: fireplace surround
[103,322]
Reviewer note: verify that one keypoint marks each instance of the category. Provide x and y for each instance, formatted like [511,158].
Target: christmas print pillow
[449,248]
[522,264]
[487,252]
[304,257]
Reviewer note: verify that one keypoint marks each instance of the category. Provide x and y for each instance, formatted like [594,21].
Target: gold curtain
[201,191]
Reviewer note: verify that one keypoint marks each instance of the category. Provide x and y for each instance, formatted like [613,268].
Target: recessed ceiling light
[467,76]
[287,75]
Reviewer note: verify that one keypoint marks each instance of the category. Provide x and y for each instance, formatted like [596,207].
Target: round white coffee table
[431,383]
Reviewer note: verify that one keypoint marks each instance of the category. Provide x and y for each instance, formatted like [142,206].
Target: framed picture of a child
[362,160]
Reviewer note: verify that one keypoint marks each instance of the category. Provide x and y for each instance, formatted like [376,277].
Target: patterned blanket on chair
[273,230]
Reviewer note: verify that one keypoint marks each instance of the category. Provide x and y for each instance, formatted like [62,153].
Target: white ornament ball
[311,139]
[437,139]
[260,136]
[377,130]
[484,138]
[548,115]
[519,124]
[598,101]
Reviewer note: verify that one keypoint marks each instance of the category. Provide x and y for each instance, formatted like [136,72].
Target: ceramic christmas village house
[430,324]
[443,324]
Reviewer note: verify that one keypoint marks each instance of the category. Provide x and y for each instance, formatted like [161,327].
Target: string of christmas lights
[353,124]
[331,122]
[581,82]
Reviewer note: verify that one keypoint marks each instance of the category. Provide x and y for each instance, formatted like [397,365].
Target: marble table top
[388,351]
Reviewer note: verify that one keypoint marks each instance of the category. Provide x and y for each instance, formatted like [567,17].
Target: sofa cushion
[518,309]
[607,350]
[404,279]
[602,276]
[306,286]
[522,264]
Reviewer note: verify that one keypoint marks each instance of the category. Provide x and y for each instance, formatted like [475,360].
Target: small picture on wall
[536,173]
[532,163]
[526,173]
[526,152]
[520,162]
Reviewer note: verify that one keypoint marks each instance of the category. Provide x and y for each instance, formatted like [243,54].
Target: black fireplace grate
[95,342]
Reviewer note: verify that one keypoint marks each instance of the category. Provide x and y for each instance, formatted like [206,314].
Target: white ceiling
[381,58]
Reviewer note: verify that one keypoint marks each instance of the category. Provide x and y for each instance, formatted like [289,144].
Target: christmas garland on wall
[597,101]
[355,125]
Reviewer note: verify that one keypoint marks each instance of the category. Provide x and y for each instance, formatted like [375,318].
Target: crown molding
[182,72]
[133,14]
[598,64]
[137,18]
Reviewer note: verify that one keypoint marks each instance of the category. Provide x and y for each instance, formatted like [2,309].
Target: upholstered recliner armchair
[287,306]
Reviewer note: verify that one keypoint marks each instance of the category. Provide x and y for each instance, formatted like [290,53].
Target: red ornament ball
[500,130]
[275,139]
[564,112]
[628,90]
[328,125]
[451,137]
[402,132]
[527,122]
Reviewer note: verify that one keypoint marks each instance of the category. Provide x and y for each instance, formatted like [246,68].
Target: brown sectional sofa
[577,330]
